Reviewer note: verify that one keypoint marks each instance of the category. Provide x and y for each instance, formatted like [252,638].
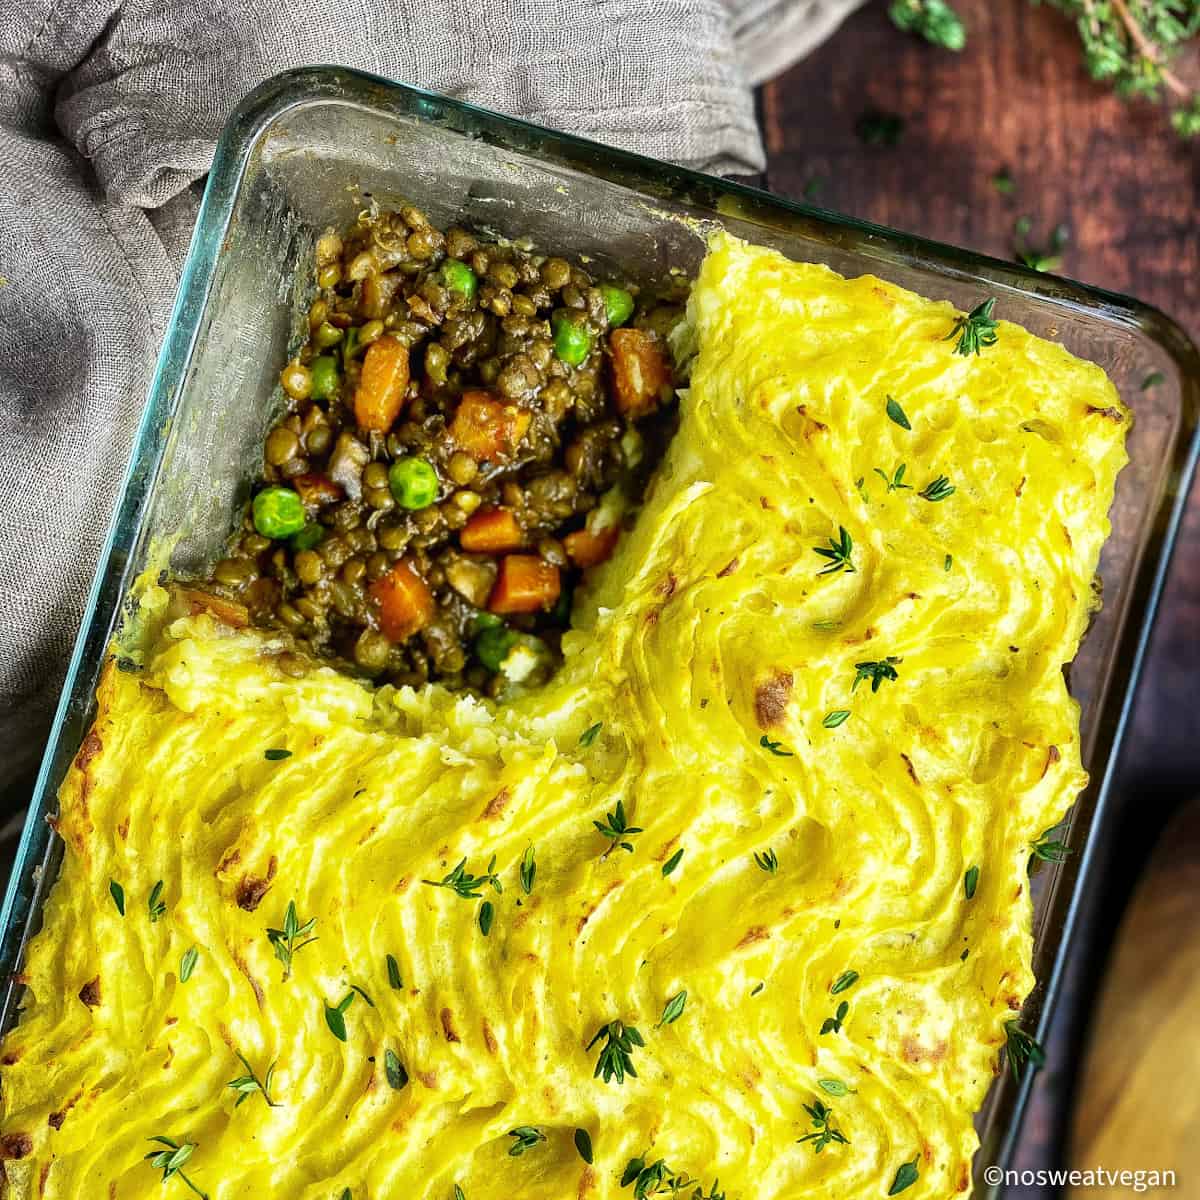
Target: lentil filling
[468,423]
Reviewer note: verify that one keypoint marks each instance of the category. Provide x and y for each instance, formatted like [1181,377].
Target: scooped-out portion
[467,427]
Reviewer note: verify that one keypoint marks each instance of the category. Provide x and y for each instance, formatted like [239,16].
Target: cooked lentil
[433,491]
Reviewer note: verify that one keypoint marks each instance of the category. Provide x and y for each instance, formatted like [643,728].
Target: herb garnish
[1003,182]
[876,672]
[824,1133]
[459,1194]
[616,829]
[897,414]
[487,914]
[971,882]
[335,1016]
[846,980]
[906,1176]
[1049,259]
[246,1085]
[673,1009]
[839,716]
[393,973]
[355,988]
[276,755]
[934,20]
[766,860]
[669,866]
[588,736]
[938,488]
[897,479]
[117,892]
[948,563]
[393,1068]
[155,903]
[838,553]
[583,1143]
[834,1024]
[659,1179]
[975,330]
[1153,380]
[466,885]
[1021,1048]
[187,964]
[835,1087]
[615,1059]
[774,747]
[526,1138]
[528,870]
[1048,849]
[170,1161]
[291,938]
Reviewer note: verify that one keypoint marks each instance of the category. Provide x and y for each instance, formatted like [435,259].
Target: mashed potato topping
[763,840]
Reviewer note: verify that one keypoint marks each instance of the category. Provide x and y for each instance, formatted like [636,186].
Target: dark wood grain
[1018,98]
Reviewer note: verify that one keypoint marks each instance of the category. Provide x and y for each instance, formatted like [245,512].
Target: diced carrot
[316,490]
[491,531]
[486,429]
[525,584]
[641,372]
[382,384]
[405,602]
[587,548]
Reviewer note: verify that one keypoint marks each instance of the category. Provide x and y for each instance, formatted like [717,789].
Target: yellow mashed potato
[781,868]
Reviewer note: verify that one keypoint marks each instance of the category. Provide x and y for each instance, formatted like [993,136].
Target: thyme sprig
[246,1085]
[824,1133]
[526,1137]
[876,672]
[838,553]
[934,20]
[616,1055]
[1021,1048]
[976,330]
[766,860]
[617,829]
[171,1159]
[896,481]
[155,904]
[466,885]
[292,938]
[1048,849]
[938,488]
[658,1179]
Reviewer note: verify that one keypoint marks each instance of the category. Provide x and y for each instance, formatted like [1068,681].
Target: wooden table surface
[1018,98]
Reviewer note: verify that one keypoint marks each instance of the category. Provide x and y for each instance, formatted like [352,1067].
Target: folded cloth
[109,115]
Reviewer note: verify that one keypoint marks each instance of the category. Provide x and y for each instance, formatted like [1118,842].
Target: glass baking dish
[310,148]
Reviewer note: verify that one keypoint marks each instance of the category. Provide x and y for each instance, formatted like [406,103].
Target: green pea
[486,620]
[572,341]
[310,536]
[458,277]
[493,645]
[618,303]
[414,483]
[324,376]
[278,512]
